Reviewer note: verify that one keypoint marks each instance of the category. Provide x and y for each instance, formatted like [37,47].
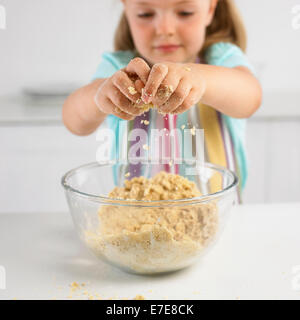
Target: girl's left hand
[174,87]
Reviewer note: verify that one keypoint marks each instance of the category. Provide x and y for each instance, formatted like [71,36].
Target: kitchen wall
[61,41]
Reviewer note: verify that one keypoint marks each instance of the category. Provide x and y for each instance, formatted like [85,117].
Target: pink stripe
[167,126]
[176,166]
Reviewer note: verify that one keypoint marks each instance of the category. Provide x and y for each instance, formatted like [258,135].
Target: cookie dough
[152,239]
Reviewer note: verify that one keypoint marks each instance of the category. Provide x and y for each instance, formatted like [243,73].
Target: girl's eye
[185,13]
[149,14]
[145,15]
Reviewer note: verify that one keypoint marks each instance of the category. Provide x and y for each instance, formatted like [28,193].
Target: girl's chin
[167,57]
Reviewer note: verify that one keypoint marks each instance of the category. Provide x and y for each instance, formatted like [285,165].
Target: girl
[187,58]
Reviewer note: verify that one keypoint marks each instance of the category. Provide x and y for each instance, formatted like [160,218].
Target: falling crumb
[139,297]
[170,163]
[193,131]
[187,69]
[127,175]
[145,122]
[145,147]
[183,126]
[132,90]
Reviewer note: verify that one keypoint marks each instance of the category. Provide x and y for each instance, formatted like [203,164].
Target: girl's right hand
[120,94]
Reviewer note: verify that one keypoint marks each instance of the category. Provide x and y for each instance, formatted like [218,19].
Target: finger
[125,85]
[166,89]
[139,85]
[116,111]
[156,76]
[122,102]
[140,67]
[177,98]
[189,101]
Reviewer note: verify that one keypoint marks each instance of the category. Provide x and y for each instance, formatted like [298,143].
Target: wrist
[200,78]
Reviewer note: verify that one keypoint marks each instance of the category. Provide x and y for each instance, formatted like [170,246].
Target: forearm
[234,92]
[80,112]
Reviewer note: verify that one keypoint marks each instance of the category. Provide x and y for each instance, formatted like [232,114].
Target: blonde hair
[226,26]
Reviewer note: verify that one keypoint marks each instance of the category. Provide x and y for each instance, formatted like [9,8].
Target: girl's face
[169,30]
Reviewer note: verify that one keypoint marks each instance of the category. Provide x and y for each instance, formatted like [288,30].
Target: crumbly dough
[146,107]
[154,239]
[163,92]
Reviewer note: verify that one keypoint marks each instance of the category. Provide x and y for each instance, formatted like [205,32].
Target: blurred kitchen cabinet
[257,149]
[274,160]
[284,169]
[35,156]
[33,160]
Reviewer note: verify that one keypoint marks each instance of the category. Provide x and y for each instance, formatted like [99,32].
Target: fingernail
[146,97]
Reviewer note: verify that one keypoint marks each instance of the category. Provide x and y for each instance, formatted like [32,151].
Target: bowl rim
[146,203]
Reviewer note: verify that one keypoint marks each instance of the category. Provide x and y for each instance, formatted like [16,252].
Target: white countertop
[257,257]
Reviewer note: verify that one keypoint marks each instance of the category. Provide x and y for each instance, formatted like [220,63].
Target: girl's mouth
[168,48]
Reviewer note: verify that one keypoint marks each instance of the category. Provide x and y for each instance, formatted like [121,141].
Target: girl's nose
[165,25]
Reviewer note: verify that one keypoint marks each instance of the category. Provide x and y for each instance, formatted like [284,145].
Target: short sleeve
[228,55]
[112,62]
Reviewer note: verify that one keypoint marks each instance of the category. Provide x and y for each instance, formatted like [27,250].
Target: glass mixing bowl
[148,237]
